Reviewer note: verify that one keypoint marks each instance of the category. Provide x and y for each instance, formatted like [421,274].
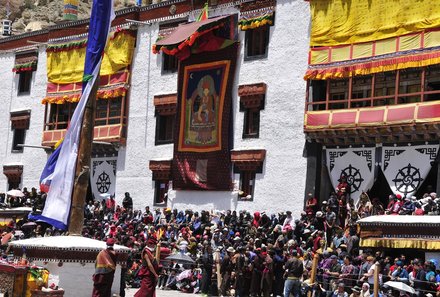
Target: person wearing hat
[356,291]
[105,267]
[148,271]
[226,269]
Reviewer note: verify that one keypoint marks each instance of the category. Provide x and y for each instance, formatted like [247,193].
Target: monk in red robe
[104,271]
[148,271]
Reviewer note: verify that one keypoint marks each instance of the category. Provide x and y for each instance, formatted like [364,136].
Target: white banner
[406,167]
[103,177]
[357,164]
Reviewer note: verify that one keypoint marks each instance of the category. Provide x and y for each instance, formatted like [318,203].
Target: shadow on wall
[203,200]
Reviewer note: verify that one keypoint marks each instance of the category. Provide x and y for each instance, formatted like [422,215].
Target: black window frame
[170,64]
[19,136]
[24,83]
[161,135]
[251,40]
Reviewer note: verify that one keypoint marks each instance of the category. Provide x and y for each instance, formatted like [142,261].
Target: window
[59,115]
[169,63]
[247,163]
[256,43]
[24,82]
[247,182]
[165,110]
[19,124]
[251,127]
[108,112]
[161,170]
[17,139]
[25,65]
[252,99]
[402,86]
[161,192]
[164,128]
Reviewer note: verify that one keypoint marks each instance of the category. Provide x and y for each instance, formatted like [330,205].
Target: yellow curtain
[339,22]
[68,66]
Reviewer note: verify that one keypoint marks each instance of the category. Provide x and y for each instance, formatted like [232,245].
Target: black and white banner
[357,164]
[103,177]
[406,167]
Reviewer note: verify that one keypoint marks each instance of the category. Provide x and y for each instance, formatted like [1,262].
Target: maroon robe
[148,282]
[104,273]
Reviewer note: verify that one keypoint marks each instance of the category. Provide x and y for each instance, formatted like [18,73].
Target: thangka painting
[202,144]
[203,94]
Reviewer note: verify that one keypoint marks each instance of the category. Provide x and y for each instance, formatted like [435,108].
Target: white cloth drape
[357,164]
[406,167]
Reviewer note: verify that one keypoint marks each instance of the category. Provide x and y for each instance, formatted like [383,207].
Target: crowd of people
[258,254]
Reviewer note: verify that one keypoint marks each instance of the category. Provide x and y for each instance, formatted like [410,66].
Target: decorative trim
[161,169]
[248,160]
[252,95]
[165,104]
[13,172]
[20,119]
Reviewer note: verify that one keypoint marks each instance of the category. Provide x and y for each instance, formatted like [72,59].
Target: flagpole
[82,172]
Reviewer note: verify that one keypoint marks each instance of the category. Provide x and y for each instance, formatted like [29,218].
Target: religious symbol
[354,178]
[408,179]
[103,182]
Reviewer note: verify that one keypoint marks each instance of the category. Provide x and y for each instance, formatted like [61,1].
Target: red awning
[180,41]
[184,31]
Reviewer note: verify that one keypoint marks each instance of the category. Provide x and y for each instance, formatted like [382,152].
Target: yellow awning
[401,243]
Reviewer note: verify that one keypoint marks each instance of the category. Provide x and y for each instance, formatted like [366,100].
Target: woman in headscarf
[148,272]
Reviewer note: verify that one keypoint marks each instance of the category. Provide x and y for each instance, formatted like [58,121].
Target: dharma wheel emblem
[408,179]
[103,182]
[354,178]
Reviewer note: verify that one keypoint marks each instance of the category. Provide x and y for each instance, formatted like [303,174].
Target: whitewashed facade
[278,188]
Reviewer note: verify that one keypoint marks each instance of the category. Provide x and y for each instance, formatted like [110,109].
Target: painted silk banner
[406,167]
[357,164]
[201,153]
[103,177]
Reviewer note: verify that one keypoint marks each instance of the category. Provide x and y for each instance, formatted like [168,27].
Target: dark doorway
[380,189]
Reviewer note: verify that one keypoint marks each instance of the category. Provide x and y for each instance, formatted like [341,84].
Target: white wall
[76,278]
[32,159]
[281,185]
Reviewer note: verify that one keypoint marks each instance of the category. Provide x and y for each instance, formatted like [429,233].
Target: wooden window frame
[247,185]
[57,124]
[248,123]
[390,94]
[253,45]
[24,83]
[161,194]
